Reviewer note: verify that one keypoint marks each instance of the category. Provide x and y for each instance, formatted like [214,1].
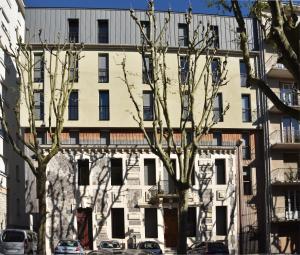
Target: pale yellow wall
[120,105]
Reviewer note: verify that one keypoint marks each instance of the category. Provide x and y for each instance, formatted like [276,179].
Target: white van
[18,241]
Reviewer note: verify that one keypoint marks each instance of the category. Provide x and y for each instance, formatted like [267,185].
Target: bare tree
[193,121]
[59,61]
[280,27]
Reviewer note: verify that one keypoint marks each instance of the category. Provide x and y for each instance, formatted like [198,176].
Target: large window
[183,35]
[184,69]
[38,105]
[191,226]
[288,94]
[38,67]
[73,105]
[246,149]
[221,220]
[247,181]
[117,223]
[147,69]
[220,171]
[83,172]
[146,30]
[246,108]
[218,108]
[290,130]
[215,70]
[148,105]
[243,74]
[73,72]
[103,75]
[103,105]
[116,172]
[73,30]
[215,33]
[151,223]
[102,31]
[149,172]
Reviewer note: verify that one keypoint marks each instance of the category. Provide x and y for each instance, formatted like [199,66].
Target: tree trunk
[182,221]
[41,196]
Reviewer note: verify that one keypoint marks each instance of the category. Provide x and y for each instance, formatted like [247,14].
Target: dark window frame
[148,111]
[218,111]
[246,111]
[39,107]
[116,164]
[151,230]
[73,35]
[146,28]
[215,31]
[220,164]
[104,109]
[83,172]
[73,107]
[246,146]
[243,74]
[183,40]
[103,36]
[40,69]
[147,71]
[105,71]
[247,181]
[150,181]
[221,224]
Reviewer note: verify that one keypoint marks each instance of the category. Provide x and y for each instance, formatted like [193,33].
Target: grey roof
[122,29]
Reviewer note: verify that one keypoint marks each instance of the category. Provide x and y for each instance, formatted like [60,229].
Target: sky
[199,6]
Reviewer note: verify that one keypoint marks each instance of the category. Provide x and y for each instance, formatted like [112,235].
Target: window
[38,75]
[290,130]
[217,138]
[73,68]
[38,104]
[220,171]
[41,137]
[288,94]
[147,70]
[146,30]
[221,220]
[151,223]
[103,75]
[83,172]
[103,105]
[186,107]
[74,137]
[247,182]
[116,172]
[167,183]
[184,70]
[246,108]
[183,35]
[191,226]
[104,137]
[117,223]
[243,73]
[73,30]
[246,150]
[215,70]
[215,34]
[147,105]
[73,105]
[102,31]
[218,108]
[149,172]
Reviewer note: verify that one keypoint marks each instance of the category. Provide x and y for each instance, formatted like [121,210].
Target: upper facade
[121,28]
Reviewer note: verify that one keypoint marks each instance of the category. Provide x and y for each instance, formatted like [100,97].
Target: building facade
[105,183]
[12,17]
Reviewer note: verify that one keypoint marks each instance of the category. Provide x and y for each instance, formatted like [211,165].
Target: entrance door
[171,227]
[84,227]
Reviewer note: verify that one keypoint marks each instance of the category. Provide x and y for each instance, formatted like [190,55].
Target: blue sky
[199,6]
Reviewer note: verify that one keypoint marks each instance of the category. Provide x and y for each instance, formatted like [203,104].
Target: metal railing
[291,136]
[103,75]
[290,98]
[285,175]
[286,214]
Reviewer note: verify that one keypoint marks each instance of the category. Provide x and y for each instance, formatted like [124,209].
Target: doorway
[85,227]
[171,227]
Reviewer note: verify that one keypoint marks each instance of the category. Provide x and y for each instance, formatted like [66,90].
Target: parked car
[110,247]
[149,247]
[208,248]
[18,241]
[68,246]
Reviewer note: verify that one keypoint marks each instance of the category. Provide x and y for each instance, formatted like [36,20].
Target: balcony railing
[285,175]
[290,98]
[286,214]
[288,137]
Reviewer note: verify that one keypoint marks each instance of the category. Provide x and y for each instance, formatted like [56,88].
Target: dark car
[208,248]
[149,247]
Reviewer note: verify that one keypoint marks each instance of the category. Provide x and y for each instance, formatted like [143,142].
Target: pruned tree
[59,62]
[280,28]
[179,136]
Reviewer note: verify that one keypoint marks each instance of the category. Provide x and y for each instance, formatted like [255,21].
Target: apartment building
[11,18]
[284,154]
[105,183]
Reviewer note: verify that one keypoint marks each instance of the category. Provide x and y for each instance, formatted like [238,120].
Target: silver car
[18,241]
[69,246]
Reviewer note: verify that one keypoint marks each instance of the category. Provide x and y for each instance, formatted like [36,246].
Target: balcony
[290,98]
[278,70]
[289,140]
[285,176]
[284,214]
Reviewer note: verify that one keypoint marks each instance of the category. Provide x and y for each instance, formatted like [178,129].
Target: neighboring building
[11,197]
[105,183]
[284,160]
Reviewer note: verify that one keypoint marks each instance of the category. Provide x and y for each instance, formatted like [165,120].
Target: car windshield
[68,243]
[110,245]
[149,245]
[13,236]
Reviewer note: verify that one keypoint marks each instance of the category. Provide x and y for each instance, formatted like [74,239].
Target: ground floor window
[117,223]
[221,220]
[151,223]
[191,228]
